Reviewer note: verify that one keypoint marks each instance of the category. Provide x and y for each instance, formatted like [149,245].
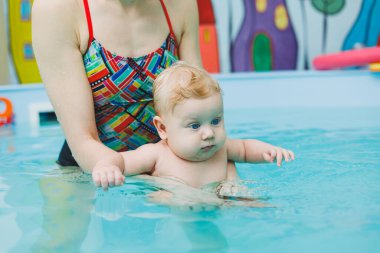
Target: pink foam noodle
[350,58]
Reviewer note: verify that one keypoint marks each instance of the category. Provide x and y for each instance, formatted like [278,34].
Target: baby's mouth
[207,148]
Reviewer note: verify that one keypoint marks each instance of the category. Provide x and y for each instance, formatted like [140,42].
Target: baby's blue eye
[215,121]
[195,126]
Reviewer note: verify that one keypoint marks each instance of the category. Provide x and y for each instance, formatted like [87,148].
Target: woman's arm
[56,41]
[189,41]
[254,151]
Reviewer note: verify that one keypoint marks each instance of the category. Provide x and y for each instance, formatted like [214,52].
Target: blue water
[327,200]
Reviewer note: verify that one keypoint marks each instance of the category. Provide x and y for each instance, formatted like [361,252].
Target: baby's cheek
[185,145]
[222,137]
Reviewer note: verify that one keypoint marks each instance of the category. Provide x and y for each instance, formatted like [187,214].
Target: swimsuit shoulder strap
[89,22]
[168,21]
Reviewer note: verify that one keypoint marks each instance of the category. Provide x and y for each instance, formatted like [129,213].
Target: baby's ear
[160,126]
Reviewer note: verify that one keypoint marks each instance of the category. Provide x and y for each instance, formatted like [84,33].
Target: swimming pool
[328,200]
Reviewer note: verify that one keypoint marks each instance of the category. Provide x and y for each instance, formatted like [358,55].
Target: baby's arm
[254,151]
[139,161]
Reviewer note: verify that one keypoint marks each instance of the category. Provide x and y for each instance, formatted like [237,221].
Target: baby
[194,148]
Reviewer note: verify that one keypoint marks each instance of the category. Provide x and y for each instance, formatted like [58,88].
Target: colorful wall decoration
[321,26]
[366,30]
[266,40]
[260,35]
[208,40]
[20,35]
[235,35]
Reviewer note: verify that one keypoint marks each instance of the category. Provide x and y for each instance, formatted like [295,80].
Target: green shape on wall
[262,53]
[329,7]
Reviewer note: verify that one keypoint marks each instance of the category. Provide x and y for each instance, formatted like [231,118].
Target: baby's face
[195,129]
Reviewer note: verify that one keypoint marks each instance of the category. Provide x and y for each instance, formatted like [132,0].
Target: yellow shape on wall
[19,12]
[206,36]
[281,19]
[374,67]
[261,5]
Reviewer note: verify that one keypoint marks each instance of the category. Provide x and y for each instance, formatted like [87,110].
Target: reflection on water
[71,203]
[65,212]
[73,215]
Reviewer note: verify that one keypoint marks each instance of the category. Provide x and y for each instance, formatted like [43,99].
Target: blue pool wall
[311,89]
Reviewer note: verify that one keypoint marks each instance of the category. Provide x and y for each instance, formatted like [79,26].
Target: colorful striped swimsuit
[122,90]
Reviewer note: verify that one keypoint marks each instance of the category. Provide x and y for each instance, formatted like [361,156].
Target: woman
[98,60]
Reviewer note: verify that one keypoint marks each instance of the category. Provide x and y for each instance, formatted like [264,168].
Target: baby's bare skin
[194,148]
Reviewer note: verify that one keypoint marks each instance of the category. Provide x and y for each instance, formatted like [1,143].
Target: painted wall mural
[266,40]
[235,35]
[263,35]
[321,26]
[20,36]
[366,29]
[208,40]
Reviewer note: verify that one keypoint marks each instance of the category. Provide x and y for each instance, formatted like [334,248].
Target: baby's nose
[207,133]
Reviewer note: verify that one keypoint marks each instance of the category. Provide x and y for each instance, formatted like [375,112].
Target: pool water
[327,200]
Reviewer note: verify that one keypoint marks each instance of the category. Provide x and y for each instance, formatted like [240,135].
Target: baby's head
[189,107]
[179,82]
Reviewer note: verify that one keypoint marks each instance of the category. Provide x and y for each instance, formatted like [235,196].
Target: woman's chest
[131,30]
[120,81]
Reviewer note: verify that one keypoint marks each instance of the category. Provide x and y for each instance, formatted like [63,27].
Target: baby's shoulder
[156,148]
[163,149]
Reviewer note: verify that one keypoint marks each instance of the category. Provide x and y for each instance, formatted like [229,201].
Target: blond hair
[179,82]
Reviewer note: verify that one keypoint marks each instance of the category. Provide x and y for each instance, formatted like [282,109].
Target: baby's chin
[199,157]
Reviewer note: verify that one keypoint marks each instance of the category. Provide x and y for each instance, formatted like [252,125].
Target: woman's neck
[129,2]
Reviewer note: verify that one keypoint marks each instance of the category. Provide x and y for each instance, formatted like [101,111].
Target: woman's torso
[121,85]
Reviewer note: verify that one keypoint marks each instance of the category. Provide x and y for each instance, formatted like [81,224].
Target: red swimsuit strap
[89,22]
[168,21]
